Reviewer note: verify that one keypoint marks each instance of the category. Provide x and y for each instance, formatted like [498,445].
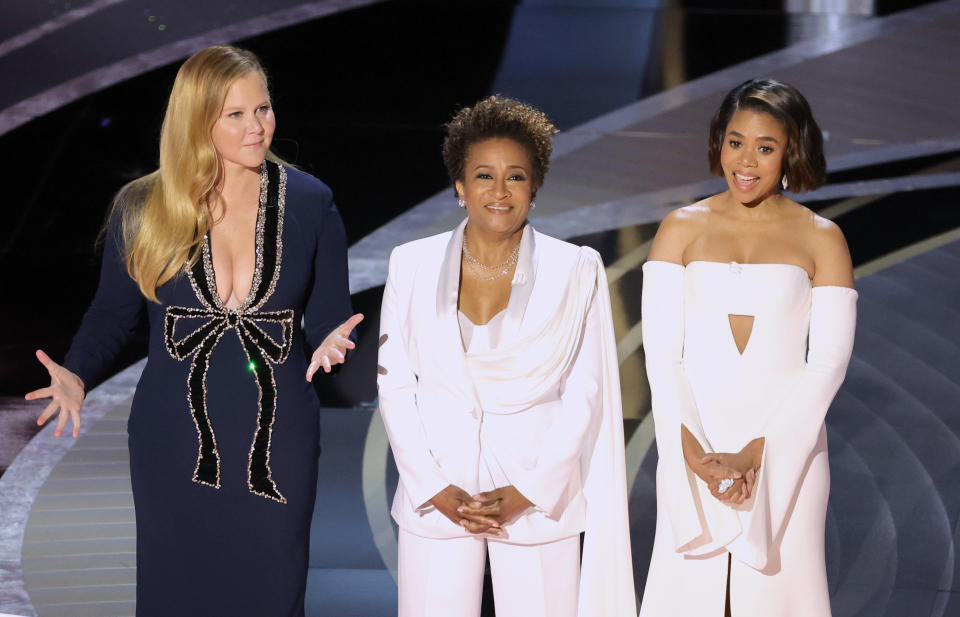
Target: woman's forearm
[754,450]
[692,450]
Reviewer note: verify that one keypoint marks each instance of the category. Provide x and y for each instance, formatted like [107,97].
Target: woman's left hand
[742,488]
[333,349]
[503,505]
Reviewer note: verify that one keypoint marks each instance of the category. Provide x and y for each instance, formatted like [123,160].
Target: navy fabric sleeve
[113,316]
[328,305]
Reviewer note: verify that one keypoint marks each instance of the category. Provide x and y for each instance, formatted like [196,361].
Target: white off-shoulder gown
[779,389]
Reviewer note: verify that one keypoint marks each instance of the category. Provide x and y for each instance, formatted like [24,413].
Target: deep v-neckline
[257,251]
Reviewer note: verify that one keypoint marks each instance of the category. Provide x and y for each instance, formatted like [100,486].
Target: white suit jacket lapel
[521,287]
[449,340]
[448,285]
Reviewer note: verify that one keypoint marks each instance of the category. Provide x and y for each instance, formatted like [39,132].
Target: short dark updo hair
[493,117]
[803,163]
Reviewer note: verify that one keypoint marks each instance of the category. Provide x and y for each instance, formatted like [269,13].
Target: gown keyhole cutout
[741,326]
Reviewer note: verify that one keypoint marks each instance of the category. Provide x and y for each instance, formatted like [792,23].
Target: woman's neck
[491,248]
[238,179]
[767,208]
[238,184]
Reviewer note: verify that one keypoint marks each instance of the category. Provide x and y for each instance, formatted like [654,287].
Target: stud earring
[532,205]
[461,203]
[783,182]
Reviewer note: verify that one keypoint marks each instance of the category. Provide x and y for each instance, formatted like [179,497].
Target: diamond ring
[725,485]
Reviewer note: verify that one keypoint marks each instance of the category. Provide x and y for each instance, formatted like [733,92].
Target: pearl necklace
[476,266]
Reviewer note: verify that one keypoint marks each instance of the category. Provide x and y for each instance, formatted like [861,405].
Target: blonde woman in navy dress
[734,286]
[226,251]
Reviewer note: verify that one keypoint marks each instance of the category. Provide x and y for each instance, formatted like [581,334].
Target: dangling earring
[532,205]
[783,182]
[461,203]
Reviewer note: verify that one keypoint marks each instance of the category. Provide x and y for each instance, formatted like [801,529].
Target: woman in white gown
[735,287]
[500,393]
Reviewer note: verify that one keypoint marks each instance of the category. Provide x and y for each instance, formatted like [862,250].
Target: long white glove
[792,431]
[700,522]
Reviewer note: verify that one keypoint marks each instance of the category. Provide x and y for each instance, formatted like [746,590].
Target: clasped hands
[741,467]
[485,512]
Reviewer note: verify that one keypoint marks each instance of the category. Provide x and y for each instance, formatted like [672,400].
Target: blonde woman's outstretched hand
[333,349]
[66,391]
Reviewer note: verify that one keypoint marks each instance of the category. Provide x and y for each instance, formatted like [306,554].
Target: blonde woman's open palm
[333,349]
[66,392]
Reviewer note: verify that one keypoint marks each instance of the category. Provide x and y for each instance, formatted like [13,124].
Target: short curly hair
[804,164]
[498,116]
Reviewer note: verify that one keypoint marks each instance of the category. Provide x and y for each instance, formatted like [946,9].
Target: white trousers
[444,577]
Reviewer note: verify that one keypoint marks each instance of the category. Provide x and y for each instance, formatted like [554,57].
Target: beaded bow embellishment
[261,349]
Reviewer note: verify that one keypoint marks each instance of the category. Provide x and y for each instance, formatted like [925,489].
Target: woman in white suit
[499,389]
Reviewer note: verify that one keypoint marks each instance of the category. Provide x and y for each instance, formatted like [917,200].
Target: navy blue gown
[224,429]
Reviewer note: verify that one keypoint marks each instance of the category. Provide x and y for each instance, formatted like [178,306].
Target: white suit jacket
[541,412]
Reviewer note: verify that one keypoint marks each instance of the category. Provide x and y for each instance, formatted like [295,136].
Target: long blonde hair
[165,214]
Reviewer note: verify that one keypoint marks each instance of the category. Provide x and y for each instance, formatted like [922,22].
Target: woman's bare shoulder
[828,247]
[678,230]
